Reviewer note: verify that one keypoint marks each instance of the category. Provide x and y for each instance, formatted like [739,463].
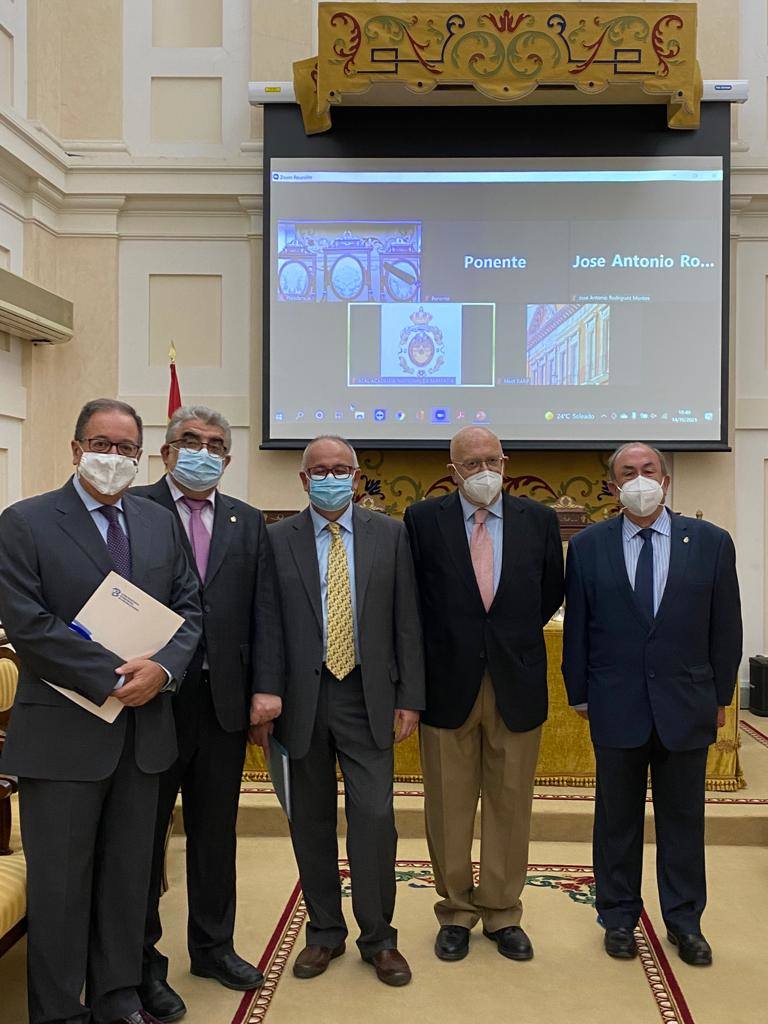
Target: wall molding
[154,408]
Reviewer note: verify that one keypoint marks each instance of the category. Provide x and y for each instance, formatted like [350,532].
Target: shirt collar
[662,525]
[177,495]
[91,503]
[469,509]
[320,522]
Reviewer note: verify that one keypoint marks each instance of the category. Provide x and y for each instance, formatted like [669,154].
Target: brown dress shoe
[391,967]
[313,960]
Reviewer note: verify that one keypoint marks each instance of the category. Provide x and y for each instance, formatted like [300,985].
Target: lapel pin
[233,519]
[686,540]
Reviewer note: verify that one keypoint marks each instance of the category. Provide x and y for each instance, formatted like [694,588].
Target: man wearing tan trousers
[490,573]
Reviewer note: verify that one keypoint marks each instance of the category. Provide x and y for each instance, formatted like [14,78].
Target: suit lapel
[76,521]
[365,549]
[619,566]
[450,518]
[161,493]
[679,548]
[301,541]
[140,534]
[225,525]
[514,531]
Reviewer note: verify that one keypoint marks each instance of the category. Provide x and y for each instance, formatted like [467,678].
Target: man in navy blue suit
[651,646]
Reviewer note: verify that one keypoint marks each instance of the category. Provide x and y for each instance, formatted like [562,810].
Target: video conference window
[409,297]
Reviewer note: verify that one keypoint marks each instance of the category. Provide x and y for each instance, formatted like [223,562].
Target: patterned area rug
[649,989]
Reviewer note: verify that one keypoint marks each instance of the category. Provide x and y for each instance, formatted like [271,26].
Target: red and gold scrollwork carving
[505,53]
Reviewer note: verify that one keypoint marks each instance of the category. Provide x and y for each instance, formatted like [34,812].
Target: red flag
[174,393]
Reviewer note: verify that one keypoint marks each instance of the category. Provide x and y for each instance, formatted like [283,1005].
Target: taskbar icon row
[437,415]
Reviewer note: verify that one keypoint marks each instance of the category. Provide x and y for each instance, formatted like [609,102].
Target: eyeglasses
[338,472]
[472,465]
[195,444]
[103,445]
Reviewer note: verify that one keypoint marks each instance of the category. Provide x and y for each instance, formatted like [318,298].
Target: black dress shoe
[512,942]
[158,998]
[692,949]
[452,942]
[230,970]
[137,1017]
[620,943]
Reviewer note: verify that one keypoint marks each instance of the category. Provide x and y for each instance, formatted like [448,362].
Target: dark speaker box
[758,685]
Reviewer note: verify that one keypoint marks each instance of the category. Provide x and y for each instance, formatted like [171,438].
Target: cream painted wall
[60,378]
[75,67]
[13,55]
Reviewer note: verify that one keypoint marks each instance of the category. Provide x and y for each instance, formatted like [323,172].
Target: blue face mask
[331,494]
[198,471]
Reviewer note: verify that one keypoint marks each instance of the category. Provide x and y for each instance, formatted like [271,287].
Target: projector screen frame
[423,132]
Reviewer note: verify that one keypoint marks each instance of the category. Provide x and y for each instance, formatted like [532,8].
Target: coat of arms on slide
[422,349]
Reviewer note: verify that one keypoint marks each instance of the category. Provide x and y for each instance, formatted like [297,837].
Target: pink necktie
[199,537]
[481,551]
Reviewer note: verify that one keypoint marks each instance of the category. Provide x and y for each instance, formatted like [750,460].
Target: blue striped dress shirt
[661,540]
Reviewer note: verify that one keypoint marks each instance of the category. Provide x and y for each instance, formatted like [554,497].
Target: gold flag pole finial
[172,353]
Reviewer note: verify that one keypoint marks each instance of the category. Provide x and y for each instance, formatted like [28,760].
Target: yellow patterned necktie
[340,654]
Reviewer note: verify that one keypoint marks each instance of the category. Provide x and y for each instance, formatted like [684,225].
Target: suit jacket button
[482,654]
[206,608]
[317,671]
[651,673]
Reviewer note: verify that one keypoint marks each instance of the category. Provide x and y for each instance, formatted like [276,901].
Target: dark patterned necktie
[644,574]
[118,545]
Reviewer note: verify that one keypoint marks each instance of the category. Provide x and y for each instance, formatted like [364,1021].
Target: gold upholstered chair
[13,869]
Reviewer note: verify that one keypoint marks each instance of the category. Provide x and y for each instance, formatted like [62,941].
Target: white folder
[128,622]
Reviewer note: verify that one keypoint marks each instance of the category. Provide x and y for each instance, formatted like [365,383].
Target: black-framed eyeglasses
[196,444]
[472,465]
[338,472]
[103,445]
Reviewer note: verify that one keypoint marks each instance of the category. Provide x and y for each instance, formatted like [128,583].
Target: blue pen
[79,628]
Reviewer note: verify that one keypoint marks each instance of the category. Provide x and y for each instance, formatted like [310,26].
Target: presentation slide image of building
[568,343]
[348,261]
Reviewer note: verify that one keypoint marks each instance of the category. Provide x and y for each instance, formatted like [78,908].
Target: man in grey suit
[354,666]
[88,789]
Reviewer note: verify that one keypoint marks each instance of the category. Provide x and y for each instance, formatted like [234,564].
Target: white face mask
[641,495]
[107,473]
[484,487]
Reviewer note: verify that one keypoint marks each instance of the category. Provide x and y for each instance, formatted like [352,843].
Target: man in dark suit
[652,643]
[490,575]
[240,653]
[88,789]
[354,669]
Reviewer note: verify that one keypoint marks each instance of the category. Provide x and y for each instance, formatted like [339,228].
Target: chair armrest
[8,787]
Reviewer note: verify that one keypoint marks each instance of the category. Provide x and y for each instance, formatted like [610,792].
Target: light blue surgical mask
[332,493]
[198,471]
